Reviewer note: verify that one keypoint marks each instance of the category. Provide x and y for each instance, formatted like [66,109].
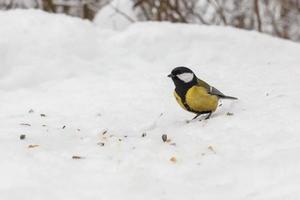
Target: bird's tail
[228,97]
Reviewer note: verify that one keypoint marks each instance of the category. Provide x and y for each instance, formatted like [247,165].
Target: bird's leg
[198,114]
[208,116]
[201,113]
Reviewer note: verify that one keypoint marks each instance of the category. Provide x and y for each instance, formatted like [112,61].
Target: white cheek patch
[186,77]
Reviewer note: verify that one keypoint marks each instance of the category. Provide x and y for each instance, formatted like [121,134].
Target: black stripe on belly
[182,95]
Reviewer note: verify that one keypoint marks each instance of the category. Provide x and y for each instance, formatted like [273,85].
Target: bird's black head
[183,77]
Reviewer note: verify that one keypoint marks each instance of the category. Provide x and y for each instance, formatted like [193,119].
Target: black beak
[170,75]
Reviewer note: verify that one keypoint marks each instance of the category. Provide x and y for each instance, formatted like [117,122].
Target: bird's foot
[199,114]
[208,116]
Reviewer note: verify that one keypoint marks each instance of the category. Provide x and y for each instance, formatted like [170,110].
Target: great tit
[195,95]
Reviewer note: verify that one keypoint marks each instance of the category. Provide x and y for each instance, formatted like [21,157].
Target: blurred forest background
[279,18]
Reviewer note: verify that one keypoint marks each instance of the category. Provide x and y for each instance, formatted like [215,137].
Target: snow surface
[117,15]
[87,79]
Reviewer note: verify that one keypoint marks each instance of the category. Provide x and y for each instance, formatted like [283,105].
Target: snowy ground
[88,80]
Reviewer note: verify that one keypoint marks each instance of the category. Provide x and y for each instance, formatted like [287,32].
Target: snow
[96,85]
[116,15]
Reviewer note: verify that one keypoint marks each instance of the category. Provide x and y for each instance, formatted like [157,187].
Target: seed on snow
[33,145]
[22,137]
[164,137]
[173,159]
[101,144]
[211,149]
[77,157]
[104,132]
[25,124]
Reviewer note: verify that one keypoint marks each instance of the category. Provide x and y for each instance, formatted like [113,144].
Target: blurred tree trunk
[48,6]
[87,12]
[284,16]
[256,9]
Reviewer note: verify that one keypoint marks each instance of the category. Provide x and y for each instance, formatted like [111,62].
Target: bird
[194,94]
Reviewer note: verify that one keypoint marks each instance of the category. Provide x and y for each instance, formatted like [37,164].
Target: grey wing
[213,91]
[216,92]
[209,89]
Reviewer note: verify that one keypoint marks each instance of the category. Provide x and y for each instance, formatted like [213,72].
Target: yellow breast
[199,100]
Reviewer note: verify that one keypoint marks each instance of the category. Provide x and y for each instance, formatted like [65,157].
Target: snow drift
[100,90]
